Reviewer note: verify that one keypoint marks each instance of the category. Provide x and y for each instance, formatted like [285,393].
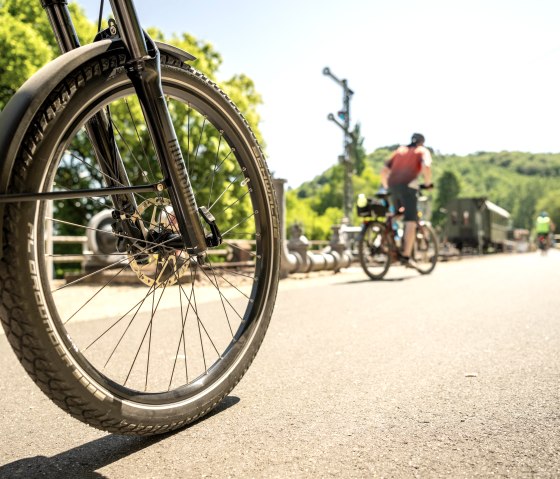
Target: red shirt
[406,163]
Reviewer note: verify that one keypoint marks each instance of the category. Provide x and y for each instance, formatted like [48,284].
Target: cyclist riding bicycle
[400,177]
[544,227]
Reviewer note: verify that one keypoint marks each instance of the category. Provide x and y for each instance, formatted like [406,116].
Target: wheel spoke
[90,275]
[234,203]
[153,246]
[214,171]
[85,255]
[117,235]
[232,182]
[148,331]
[132,155]
[222,296]
[181,341]
[228,282]
[139,305]
[104,175]
[95,294]
[222,301]
[200,139]
[233,245]
[235,273]
[140,141]
[238,224]
[198,319]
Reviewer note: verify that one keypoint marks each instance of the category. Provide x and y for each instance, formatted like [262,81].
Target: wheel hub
[158,261]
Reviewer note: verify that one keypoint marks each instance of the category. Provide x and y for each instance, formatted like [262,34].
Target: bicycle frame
[390,222]
[390,232]
[143,69]
[394,216]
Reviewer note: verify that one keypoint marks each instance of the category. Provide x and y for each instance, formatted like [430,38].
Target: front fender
[24,105]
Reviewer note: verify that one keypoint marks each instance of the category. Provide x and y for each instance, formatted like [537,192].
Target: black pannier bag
[374,207]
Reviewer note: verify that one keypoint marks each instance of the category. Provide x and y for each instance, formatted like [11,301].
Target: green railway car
[477,223]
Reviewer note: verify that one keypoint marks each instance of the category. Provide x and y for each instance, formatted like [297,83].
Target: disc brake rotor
[156,265]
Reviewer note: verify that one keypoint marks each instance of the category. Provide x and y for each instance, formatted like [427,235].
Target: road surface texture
[455,374]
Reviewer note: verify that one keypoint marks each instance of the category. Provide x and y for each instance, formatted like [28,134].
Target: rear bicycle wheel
[146,339]
[374,250]
[425,251]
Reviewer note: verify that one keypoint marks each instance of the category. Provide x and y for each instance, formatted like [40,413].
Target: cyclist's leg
[396,208]
[409,235]
[406,196]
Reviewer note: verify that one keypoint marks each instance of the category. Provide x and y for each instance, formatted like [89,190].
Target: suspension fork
[144,72]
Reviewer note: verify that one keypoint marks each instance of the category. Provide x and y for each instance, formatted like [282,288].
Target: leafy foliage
[522,183]
[27,41]
[515,181]
[357,150]
[447,189]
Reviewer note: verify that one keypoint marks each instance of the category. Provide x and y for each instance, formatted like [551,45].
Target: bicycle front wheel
[374,250]
[144,340]
[425,251]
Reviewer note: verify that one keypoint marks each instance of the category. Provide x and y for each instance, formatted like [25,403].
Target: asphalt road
[455,374]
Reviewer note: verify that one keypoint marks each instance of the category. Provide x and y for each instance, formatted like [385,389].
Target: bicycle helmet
[417,138]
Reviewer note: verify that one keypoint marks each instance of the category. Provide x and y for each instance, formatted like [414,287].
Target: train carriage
[477,223]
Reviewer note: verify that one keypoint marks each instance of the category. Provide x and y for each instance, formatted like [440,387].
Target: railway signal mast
[343,121]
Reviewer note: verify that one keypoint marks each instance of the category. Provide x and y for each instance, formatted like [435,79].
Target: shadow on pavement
[383,280]
[84,460]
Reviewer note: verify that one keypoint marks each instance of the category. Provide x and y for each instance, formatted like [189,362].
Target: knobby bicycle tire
[61,348]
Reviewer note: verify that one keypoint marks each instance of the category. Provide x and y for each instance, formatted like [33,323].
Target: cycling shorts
[405,196]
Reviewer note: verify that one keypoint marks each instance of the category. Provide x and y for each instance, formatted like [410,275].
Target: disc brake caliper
[127,231]
[214,238]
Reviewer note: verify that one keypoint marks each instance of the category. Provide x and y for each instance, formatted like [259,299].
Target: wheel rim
[375,252]
[425,250]
[178,327]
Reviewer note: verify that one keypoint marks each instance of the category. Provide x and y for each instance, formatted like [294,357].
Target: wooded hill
[522,183]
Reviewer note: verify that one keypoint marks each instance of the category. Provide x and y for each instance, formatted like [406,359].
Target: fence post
[298,245]
[288,262]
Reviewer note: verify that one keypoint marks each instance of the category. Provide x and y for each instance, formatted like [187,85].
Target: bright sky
[470,75]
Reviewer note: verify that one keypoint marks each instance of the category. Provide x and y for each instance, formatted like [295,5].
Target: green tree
[525,208]
[357,151]
[447,189]
[315,226]
[16,39]
[27,41]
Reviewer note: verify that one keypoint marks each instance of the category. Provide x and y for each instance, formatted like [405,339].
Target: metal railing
[77,258]
[235,255]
